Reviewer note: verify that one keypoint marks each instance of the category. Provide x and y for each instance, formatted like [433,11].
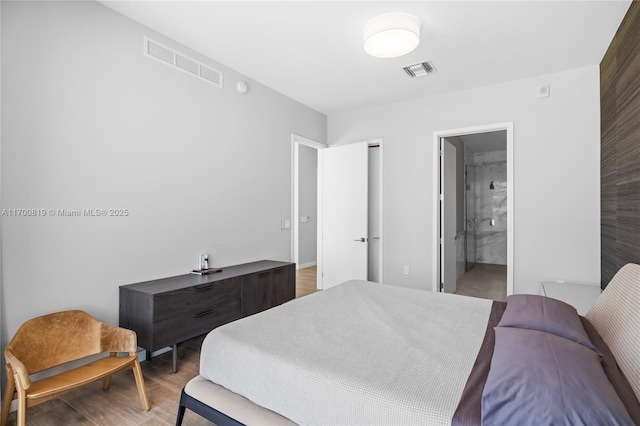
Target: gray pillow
[538,378]
[541,313]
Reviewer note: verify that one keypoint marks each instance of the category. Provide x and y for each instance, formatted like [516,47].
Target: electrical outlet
[406,270]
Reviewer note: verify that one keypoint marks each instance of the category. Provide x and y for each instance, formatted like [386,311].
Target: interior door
[448,216]
[344,213]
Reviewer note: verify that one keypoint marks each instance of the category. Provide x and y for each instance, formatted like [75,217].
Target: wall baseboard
[306,265]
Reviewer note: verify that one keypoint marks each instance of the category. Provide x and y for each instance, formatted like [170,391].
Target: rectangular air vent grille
[168,56]
[210,74]
[187,64]
[420,69]
[159,52]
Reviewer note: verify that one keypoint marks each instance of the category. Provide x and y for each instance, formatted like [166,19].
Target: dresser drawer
[196,300]
[185,327]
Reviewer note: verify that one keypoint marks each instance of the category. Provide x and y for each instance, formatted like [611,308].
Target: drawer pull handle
[278,270]
[201,314]
[203,287]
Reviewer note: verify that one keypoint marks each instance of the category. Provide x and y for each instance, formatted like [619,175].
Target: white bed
[366,353]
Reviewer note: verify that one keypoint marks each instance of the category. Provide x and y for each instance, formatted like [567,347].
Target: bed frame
[209,413]
[201,395]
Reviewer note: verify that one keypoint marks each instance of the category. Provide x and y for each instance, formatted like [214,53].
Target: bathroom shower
[485,208]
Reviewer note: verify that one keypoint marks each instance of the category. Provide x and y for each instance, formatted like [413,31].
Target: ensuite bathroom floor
[484,280]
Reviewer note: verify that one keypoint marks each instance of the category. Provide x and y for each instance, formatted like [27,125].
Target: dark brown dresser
[169,311]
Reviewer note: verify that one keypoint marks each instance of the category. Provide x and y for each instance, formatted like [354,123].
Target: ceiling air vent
[418,70]
[168,56]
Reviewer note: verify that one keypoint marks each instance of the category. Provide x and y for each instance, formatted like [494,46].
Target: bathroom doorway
[483,238]
[474,211]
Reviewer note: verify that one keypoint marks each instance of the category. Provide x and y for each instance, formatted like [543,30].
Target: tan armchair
[52,340]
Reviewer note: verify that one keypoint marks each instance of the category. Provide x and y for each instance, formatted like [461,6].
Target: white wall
[88,122]
[308,205]
[556,173]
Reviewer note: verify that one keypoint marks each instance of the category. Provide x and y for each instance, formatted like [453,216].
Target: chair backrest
[616,317]
[55,339]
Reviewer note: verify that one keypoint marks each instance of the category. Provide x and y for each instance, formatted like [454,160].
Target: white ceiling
[312,51]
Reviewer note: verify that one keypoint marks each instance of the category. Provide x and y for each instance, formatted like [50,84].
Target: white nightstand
[579,295]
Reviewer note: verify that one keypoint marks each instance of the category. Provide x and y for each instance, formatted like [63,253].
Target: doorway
[473,251]
[304,212]
[307,217]
[350,225]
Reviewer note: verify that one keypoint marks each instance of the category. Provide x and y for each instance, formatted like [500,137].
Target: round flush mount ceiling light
[391,35]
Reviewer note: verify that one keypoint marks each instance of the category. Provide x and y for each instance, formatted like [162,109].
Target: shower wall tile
[491,247]
[488,204]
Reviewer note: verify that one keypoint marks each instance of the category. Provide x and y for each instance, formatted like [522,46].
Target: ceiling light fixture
[391,35]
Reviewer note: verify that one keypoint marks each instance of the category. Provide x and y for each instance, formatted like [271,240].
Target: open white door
[344,213]
[448,216]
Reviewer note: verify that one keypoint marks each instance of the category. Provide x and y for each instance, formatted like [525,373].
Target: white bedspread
[358,353]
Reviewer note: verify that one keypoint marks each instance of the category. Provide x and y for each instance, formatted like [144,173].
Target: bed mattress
[358,353]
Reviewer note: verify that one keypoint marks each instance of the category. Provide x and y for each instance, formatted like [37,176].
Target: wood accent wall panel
[620,148]
[608,165]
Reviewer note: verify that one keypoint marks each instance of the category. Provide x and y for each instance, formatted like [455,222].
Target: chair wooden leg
[8,397]
[22,408]
[106,382]
[142,391]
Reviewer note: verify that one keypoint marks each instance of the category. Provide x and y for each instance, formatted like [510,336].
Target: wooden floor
[120,406]
[485,281]
[306,281]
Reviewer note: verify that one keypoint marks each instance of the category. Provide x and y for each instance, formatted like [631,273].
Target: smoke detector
[420,69]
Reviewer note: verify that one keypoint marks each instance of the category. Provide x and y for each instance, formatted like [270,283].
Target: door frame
[436,261]
[296,141]
[370,143]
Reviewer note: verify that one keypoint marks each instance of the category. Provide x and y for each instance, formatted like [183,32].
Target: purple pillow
[538,378]
[542,313]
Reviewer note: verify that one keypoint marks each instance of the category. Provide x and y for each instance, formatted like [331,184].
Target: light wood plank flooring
[306,281]
[120,406]
[485,281]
